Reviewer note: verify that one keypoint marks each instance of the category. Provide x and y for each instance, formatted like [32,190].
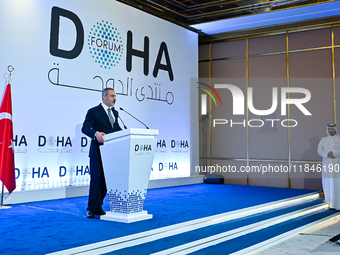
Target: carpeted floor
[49,226]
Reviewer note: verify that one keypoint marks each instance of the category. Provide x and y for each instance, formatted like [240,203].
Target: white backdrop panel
[58,76]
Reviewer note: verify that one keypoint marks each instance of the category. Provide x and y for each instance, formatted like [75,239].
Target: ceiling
[191,12]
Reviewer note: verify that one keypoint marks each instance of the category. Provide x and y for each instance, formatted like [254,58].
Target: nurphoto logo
[238,104]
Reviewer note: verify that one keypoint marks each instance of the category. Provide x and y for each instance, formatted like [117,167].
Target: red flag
[7,170]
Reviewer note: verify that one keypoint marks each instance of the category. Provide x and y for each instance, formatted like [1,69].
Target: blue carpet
[172,241]
[49,226]
[245,241]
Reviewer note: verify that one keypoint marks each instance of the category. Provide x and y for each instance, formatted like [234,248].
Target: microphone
[122,121]
[134,117]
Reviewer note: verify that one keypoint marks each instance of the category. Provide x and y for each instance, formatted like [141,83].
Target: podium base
[126,218]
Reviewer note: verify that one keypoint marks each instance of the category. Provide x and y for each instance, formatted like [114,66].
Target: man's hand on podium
[99,137]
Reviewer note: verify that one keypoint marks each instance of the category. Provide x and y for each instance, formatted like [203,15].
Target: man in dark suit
[99,120]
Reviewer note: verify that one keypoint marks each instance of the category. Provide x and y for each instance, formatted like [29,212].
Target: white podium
[127,157]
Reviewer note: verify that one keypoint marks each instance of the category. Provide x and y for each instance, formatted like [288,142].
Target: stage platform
[198,219]
[18,197]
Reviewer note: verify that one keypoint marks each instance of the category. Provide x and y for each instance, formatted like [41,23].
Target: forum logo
[105,44]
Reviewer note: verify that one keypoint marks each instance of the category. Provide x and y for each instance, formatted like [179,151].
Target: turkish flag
[7,170]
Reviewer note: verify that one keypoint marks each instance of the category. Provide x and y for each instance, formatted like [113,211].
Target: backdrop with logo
[64,53]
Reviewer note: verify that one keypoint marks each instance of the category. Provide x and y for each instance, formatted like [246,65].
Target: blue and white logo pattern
[105,44]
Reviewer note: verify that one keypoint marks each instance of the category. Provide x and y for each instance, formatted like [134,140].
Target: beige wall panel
[231,173]
[271,66]
[201,163]
[274,144]
[203,69]
[311,64]
[268,144]
[306,135]
[204,133]
[229,49]
[268,174]
[200,167]
[310,129]
[267,44]
[336,35]
[204,52]
[297,183]
[228,140]
[231,68]
[306,176]
[203,72]
[337,63]
[310,39]
[201,139]
[337,82]
[315,69]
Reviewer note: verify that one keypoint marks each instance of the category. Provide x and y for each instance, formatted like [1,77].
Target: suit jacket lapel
[104,114]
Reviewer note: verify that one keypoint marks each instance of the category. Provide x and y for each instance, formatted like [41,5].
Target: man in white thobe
[329,150]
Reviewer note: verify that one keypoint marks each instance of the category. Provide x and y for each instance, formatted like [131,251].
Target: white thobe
[331,170]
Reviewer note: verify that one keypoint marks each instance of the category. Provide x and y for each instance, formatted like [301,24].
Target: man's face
[110,99]
[331,131]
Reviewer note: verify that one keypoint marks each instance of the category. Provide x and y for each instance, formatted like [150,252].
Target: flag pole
[2,198]
[10,70]
[2,195]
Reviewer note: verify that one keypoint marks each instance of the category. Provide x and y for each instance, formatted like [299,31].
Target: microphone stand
[122,122]
[134,117]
